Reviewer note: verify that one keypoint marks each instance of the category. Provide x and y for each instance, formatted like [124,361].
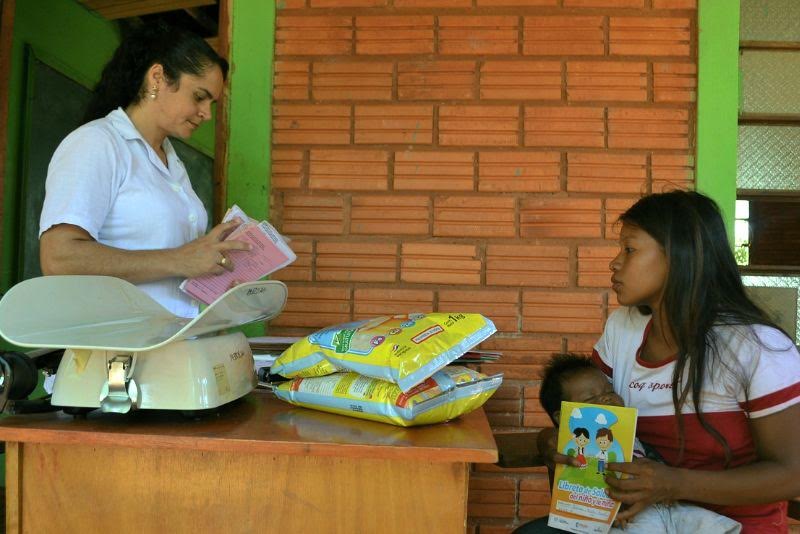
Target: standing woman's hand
[650,482]
[208,254]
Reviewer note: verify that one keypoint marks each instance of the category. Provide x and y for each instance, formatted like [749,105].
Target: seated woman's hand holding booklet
[269,252]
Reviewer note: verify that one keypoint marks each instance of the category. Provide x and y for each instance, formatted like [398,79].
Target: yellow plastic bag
[451,392]
[404,349]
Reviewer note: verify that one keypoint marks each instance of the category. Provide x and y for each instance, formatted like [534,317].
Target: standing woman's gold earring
[153,93]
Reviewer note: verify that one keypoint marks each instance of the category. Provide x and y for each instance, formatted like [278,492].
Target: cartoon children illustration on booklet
[592,440]
[604,441]
[581,440]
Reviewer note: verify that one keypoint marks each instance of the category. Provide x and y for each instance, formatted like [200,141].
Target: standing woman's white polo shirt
[105,178]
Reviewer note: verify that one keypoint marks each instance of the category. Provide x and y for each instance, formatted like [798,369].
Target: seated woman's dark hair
[560,366]
[177,50]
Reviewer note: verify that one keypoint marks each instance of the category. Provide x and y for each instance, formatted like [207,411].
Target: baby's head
[572,377]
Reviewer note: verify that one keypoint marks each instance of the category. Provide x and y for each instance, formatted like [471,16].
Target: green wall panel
[56,31]
[250,111]
[718,103]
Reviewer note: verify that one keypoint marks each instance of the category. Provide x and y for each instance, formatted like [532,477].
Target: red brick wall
[473,155]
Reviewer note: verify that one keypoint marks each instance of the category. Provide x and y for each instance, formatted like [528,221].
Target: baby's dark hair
[560,366]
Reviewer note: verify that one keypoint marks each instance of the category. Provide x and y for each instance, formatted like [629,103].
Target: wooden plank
[778,270]
[774,233]
[780,195]
[122,490]
[220,178]
[760,199]
[13,487]
[213,42]
[261,423]
[206,21]
[118,9]
[769,45]
[791,119]
[7,8]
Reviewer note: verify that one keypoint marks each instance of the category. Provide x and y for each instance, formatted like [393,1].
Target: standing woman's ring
[223,262]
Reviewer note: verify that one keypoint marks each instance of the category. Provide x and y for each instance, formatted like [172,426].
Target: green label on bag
[342,339]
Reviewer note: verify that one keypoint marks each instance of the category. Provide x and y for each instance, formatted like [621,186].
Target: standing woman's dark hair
[703,288]
[177,50]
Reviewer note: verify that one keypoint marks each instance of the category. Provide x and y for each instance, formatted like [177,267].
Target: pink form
[264,258]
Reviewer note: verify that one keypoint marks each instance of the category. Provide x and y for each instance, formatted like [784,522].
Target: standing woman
[118,201]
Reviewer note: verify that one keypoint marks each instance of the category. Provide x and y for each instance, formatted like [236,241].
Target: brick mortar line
[472,148]
[525,11]
[439,57]
[476,172]
[491,103]
[305,181]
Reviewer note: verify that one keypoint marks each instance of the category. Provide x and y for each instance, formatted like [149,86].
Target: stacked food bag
[390,369]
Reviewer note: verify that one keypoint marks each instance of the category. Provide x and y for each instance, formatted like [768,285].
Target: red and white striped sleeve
[773,365]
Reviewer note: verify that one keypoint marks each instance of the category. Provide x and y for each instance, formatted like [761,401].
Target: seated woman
[716,382]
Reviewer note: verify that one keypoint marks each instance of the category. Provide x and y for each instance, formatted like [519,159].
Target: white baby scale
[125,351]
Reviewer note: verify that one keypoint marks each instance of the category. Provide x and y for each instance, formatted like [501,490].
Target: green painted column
[252,46]
[718,103]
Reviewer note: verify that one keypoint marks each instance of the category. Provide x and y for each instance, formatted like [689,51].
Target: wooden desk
[258,466]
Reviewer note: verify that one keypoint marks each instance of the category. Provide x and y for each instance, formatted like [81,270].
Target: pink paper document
[269,253]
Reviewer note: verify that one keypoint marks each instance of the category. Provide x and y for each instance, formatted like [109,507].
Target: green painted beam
[252,43]
[718,103]
[10,241]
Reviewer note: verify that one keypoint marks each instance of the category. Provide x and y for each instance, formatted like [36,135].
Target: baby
[571,377]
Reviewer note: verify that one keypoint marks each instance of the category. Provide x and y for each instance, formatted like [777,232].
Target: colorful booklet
[595,435]
[269,253]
